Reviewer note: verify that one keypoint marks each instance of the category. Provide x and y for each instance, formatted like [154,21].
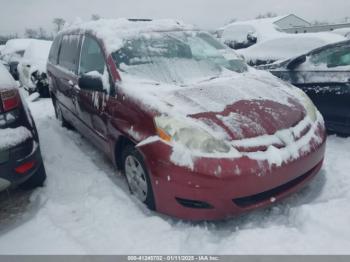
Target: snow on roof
[15,45]
[288,46]
[37,54]
[6,80]
[114,31]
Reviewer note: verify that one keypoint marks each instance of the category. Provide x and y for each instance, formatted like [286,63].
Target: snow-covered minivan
[197,133]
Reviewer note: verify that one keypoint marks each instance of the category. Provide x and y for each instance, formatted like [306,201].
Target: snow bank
[10,137]
[6,80]
[288,46]
[114,31]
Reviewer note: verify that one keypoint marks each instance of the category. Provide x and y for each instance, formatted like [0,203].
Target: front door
[90,104]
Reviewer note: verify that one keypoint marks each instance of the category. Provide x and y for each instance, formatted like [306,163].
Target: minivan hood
[242,105]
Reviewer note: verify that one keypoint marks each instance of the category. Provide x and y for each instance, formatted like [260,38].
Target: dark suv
[20,158]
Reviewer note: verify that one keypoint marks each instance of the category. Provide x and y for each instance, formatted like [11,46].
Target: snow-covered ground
[85,208]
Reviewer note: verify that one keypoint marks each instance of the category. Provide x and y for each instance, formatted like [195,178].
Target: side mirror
[91,82]
[296,62]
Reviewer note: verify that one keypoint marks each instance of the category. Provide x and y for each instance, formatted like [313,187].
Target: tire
[36,180]
[137,176]
[59,114]
[43,90]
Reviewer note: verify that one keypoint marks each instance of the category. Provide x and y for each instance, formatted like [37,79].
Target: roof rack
[139,20]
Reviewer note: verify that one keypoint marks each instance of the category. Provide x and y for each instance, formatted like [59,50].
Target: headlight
[194,138]
[308,104]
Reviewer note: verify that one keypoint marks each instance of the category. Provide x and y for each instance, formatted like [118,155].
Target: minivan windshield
[176,57]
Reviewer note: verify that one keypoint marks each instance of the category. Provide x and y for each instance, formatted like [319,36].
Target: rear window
[53,56]
[68,57]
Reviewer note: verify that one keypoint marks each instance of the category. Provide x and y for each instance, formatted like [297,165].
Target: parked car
[324,74]
[284,47]
[343,32]
[243,34]
[197,133]
[13,53]
[32,67]
[20,158]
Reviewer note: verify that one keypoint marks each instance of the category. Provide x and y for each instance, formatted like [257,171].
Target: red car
[198,134]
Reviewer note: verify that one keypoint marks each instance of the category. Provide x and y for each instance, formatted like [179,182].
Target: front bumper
[241,185]
[19,156]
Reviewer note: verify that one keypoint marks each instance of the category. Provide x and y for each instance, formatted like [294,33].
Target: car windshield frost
[176,57]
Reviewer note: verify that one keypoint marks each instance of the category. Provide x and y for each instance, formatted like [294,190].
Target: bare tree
[346,19]
[42,33]
[232,20]
[317,22]
[59,23]
[31,33]
[95,17]
[266,15]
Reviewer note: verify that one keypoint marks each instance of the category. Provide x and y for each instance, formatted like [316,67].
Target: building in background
[290,21]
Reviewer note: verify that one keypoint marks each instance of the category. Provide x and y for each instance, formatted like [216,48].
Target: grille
[261,197]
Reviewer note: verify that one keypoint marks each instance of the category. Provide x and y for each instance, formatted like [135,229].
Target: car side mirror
[91,82]
[296,62]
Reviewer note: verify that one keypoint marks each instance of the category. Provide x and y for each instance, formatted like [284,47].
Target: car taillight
[10,99]
[24,168]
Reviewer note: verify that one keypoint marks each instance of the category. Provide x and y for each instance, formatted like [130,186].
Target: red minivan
[198,134]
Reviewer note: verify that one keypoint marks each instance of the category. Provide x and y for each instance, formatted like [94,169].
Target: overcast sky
[16,15]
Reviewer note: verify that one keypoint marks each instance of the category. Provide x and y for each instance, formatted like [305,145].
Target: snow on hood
[211,95]
[10,137]
[114,31]
[6,80]
[254,101]
[247,110]
[288,45]
[36,54]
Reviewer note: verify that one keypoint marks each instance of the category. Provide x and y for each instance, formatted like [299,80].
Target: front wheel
[137,176]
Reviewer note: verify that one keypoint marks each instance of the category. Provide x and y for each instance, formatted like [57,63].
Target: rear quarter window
[69,52]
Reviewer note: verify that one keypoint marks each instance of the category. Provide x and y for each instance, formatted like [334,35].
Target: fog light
[193,203]
[22,169]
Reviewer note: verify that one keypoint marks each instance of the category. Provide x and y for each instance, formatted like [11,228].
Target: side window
[91,57]
[341,58]
[68,57]
[53,56]
[334,57]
